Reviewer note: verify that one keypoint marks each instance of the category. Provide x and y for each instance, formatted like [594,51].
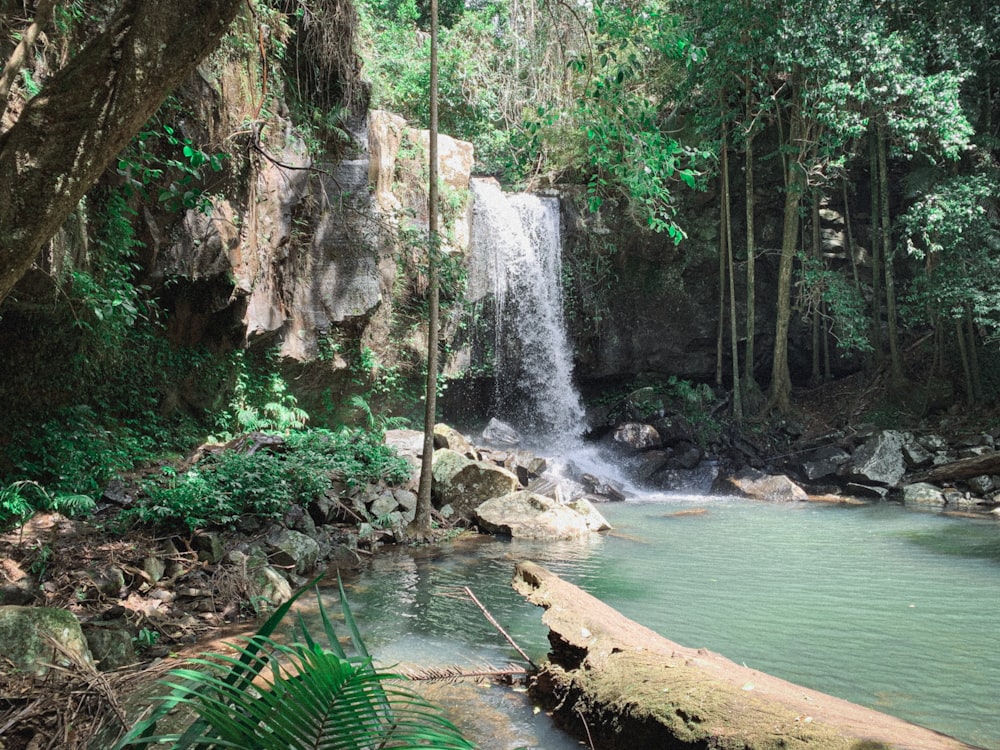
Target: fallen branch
[496,624]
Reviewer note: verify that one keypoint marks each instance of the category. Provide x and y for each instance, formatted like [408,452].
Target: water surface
[888,608]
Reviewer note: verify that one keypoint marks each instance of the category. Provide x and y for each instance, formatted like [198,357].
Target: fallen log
[620,685]
[964,468]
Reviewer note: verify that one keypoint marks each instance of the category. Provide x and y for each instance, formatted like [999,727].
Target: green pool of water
[889,608]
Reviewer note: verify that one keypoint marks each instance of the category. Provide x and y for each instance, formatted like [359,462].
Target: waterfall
[516,259]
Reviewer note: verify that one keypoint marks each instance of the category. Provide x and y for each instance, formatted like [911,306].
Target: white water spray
[516,257]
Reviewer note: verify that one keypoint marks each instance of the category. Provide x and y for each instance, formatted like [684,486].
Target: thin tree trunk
[720,331]
[779,393]
[977,380]
[895,358]
[42,15]
[816,375]
[751,323]
[876,330]
[964,356]
[421,525]
[728,235]
[850,237]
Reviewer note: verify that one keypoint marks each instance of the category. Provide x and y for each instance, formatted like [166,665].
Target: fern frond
[277,696]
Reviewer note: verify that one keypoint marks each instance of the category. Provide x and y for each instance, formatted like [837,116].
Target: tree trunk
[963,355]
[42,15]
[751,324]
[876,251]
[421,526]
[817,304]
[728,235]
[781,381]
[720,331]
[885,232]
[88,111]
[977,375]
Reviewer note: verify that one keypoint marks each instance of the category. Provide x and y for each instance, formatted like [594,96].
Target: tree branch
[42,15]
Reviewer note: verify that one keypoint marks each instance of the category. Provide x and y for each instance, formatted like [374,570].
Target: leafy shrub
[227,486]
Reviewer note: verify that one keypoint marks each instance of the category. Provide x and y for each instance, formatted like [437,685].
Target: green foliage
[305,694]
[107,290]
[260,399]
[162,166]
[145,639]
[953,227]
[229,485]
[19,500]
[588,281]
[826,291]
[630,148]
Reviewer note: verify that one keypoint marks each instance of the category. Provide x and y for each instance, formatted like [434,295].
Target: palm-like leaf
[299,695]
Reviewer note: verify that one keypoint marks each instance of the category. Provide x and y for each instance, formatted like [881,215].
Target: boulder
[915,454]
[525,515]
[637,436]
[595,521]
[208,545]
[25,633]
[383,505]
[601,487]
[824,462]
[292,550]
[464,484]
[879,460]
[449,437]
[922,493]
[110,644]
[760,486]
[981,484]
[500,435]
[407,504]
[408,443]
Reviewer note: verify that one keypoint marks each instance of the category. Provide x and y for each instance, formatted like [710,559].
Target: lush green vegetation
[881,120]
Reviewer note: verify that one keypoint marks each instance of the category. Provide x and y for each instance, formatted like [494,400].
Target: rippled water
[889,608]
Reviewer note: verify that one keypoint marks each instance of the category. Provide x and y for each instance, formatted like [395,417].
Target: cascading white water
[516,257]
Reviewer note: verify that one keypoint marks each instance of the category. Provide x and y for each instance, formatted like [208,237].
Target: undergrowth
[229,485]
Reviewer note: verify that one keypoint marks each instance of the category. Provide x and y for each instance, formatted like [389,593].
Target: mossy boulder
[35,637]
[465,484]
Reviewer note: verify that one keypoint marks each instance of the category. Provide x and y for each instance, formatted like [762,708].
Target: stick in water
[496,624]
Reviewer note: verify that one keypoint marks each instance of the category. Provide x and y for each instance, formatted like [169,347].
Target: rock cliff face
[312,250]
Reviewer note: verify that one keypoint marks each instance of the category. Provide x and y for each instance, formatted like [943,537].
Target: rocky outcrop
[308,256]
[920,469]
[618,685]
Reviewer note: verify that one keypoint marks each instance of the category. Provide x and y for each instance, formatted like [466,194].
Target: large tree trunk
[88,111]
[780,391]
[727,221]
